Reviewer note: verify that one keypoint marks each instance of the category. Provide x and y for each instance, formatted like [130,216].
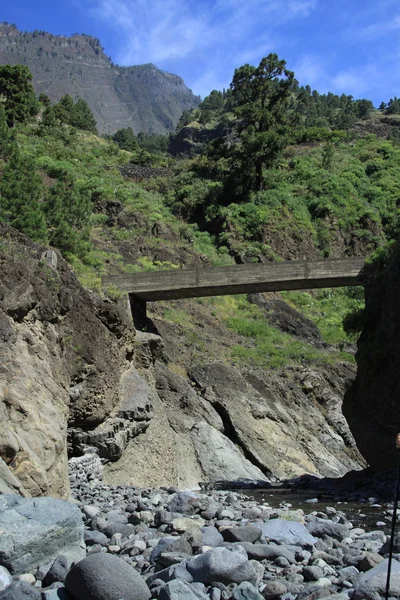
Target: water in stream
[361,514]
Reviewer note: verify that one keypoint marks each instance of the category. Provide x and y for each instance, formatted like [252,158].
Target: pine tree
[21,197]
[125,138]
[263,97]
[64,109]
[44,100]
[68,211]
[16,88]
[82,117]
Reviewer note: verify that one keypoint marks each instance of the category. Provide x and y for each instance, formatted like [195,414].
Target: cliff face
[371,405]
[75,374]
[142,97]
[62,356]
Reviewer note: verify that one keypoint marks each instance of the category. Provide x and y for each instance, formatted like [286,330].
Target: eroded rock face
[230,425]
[62,354]
[371,405]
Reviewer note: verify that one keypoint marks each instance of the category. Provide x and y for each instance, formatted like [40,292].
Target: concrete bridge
[236,279]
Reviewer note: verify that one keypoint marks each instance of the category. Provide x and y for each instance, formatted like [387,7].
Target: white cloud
[310,70]
[162,30]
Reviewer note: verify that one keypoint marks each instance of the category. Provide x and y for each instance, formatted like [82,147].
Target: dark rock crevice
[231,433]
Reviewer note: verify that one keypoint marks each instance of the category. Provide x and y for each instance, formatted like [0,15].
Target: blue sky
[343,46]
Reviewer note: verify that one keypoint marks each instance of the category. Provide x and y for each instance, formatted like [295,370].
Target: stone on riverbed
[37,530]
[179,590]
[104,577]
[334,530]
[371,585]
[286,532]
[220,564]
[250,533]
[19,590]
[268,552]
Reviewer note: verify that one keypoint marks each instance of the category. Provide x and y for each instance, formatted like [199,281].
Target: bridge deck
[240,279]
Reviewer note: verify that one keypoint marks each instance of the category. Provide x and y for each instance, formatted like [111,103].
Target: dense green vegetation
[281,175]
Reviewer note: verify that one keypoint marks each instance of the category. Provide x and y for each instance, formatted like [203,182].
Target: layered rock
[231,426]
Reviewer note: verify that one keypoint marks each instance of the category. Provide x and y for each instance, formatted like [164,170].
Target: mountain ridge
[141,96]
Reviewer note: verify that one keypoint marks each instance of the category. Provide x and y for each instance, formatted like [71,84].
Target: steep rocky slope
[371,404]
[142,97]
[72,363]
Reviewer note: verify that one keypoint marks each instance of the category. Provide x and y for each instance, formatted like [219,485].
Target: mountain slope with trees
[267,186]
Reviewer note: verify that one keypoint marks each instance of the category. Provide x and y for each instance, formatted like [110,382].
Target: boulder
[211,537]
[268,552]
[179,590]
[371,584]
[57,572]
[249,533]
[37,530]
[19,590]
[286,532]
[221,564]
[246,591]
[102,576]
[334,530]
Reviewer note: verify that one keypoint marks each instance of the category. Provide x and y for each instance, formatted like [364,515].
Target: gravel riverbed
[126,543]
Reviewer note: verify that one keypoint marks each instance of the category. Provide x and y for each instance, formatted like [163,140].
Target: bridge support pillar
[139,312]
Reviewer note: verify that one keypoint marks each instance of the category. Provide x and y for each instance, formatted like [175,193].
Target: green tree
[393,107]
[125,139]
[64,109]
[211,106]
[44,100]
[7,141]
[262,95]
[68,209]
[17,93]
[21,197]
[82,117]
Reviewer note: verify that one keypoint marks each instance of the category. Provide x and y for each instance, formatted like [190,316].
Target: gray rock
[274,589]
[19,590]
[374,588]
[167,559]
[286,532]
[211,537]
[125,529]
[220,564]
[312,573]
[95,537]
[37,530]
[219,458]
[175,572]
[5,578]
[246,591]
[105,577]
[56,594]
[334,530]
[186,503]
[369,561]
[380,569]
[268,552]
[250,533]
[179,590]
[396,545]
[162,546]
[57,572]
[90,511]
